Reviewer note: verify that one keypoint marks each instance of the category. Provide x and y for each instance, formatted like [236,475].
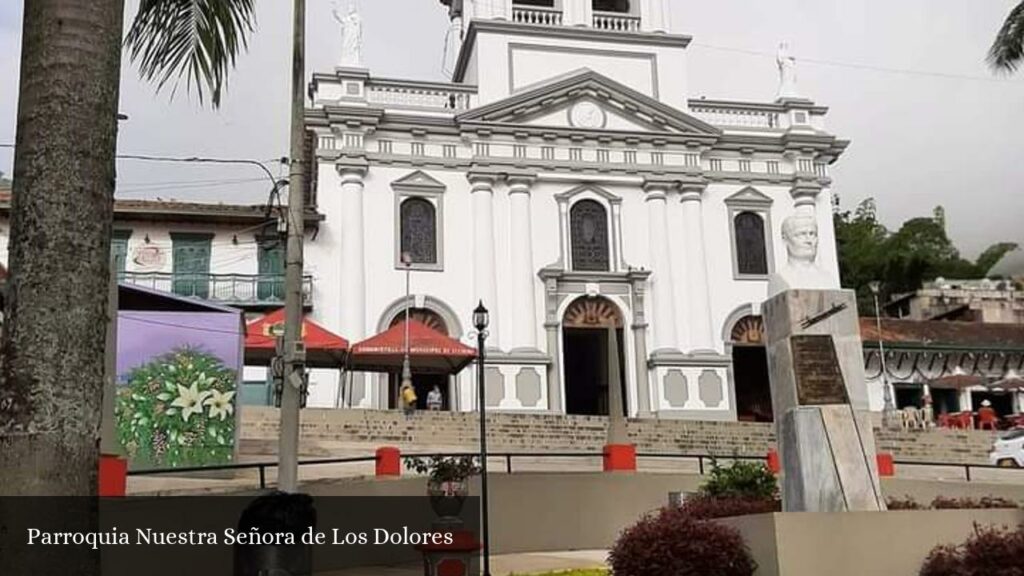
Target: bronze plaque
[819,380]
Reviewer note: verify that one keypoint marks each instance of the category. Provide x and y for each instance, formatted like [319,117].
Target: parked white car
[1008,450]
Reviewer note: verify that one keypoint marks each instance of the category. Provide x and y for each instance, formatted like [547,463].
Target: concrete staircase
[328,432]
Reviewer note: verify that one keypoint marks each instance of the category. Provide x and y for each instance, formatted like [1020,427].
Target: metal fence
[702,460]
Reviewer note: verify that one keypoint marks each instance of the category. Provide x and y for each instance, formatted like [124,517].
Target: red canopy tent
[324,349]
[430,352]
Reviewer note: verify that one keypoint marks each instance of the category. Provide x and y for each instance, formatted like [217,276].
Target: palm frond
[1007,52]
[194,40]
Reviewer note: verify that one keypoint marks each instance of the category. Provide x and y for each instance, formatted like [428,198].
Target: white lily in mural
[220,404]
[190,400]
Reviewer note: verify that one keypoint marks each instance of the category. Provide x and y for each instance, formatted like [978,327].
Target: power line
[882,69]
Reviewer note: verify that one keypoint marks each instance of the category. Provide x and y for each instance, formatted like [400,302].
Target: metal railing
[702,460]
[537,16]
[616,22]
[231,289]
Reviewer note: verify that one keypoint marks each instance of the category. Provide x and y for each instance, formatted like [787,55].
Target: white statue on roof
[787,73]
[351,36]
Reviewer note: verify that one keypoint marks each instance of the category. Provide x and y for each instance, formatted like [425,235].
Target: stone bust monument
[351,36]
[800,233]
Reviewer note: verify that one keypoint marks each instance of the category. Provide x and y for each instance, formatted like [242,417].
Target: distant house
[987,301]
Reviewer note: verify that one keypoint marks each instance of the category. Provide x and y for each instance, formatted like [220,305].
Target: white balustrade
[746,117]
[537,16]
[616,22]
[418,97]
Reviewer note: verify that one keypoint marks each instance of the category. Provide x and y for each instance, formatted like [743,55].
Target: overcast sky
[949,135]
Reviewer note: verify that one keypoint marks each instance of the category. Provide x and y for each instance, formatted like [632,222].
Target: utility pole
[293,352]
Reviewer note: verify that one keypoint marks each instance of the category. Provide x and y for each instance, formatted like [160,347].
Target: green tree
[1007,51]
[918,251]
[64,173]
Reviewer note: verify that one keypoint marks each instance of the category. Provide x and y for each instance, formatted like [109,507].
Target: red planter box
[620,458]
[389,461]
[113,478]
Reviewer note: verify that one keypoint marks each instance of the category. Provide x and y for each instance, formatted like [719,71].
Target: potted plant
[447,480]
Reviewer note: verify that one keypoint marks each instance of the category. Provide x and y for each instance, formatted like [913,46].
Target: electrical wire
[867,67]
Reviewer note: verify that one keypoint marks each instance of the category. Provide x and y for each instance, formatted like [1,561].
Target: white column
[353,277]
[654,15]
[663,323]
[523,332]
[485,287]
[577,13]
[701,337]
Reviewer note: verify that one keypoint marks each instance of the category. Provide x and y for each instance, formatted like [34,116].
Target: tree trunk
[51,379]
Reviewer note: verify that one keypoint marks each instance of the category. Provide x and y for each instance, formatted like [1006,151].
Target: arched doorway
[587,328]
[750,370]
[423,383]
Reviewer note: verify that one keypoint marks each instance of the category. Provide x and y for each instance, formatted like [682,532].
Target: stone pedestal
[819,398]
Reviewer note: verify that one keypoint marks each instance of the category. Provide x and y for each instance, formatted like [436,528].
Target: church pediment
[586,100]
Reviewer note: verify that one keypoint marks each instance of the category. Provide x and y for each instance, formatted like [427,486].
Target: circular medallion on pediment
[587,114]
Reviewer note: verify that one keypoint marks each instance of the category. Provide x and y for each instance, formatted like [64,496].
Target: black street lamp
[480,320]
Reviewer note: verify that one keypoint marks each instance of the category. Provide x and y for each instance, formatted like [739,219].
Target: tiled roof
[174,210]
[944,334]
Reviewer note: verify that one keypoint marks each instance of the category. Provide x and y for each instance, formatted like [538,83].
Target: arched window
[419,230]
[588,229]
[620,6]
[751,255]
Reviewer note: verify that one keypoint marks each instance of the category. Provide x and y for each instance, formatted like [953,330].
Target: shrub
[444,468]
[905,503]
[703,507]
[741,480]
[986,502]
[672,542]
[988,552]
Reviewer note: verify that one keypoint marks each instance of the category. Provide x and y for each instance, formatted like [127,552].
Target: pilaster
[484,281]
[522,336]
[701,335]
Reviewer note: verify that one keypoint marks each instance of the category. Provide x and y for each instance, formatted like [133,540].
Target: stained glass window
[751,256]
[419,230]
[589,235]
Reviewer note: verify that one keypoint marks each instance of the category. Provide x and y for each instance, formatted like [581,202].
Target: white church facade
[566,179]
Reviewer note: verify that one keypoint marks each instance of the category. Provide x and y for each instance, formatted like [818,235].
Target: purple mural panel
[177,385]
[141,336]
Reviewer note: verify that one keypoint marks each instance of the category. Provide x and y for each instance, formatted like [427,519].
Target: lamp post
[406,368]
[888,409]
[480,320]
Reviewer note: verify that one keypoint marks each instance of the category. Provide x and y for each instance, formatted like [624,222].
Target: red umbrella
[1010,381]
[324,349]
[958,379]
[429,351]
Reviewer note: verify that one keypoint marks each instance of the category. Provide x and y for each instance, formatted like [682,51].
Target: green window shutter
[119,249]
[191,264]
[271,270]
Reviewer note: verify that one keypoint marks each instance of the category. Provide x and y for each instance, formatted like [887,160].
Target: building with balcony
[619,231]
[223,253]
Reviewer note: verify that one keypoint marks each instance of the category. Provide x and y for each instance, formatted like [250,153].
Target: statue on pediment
[351,36]
[787,73]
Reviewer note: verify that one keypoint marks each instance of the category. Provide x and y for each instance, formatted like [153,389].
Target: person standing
[434,398]
[408,396]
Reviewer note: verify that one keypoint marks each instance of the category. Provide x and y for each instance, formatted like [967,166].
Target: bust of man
[800,233]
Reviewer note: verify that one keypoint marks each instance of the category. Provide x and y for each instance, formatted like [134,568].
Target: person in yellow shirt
[408,395]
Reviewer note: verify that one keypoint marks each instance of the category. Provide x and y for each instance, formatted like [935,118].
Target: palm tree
[1007,52]
[52,348]
[62,211]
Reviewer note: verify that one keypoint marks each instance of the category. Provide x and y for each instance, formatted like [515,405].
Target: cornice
[566,32]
